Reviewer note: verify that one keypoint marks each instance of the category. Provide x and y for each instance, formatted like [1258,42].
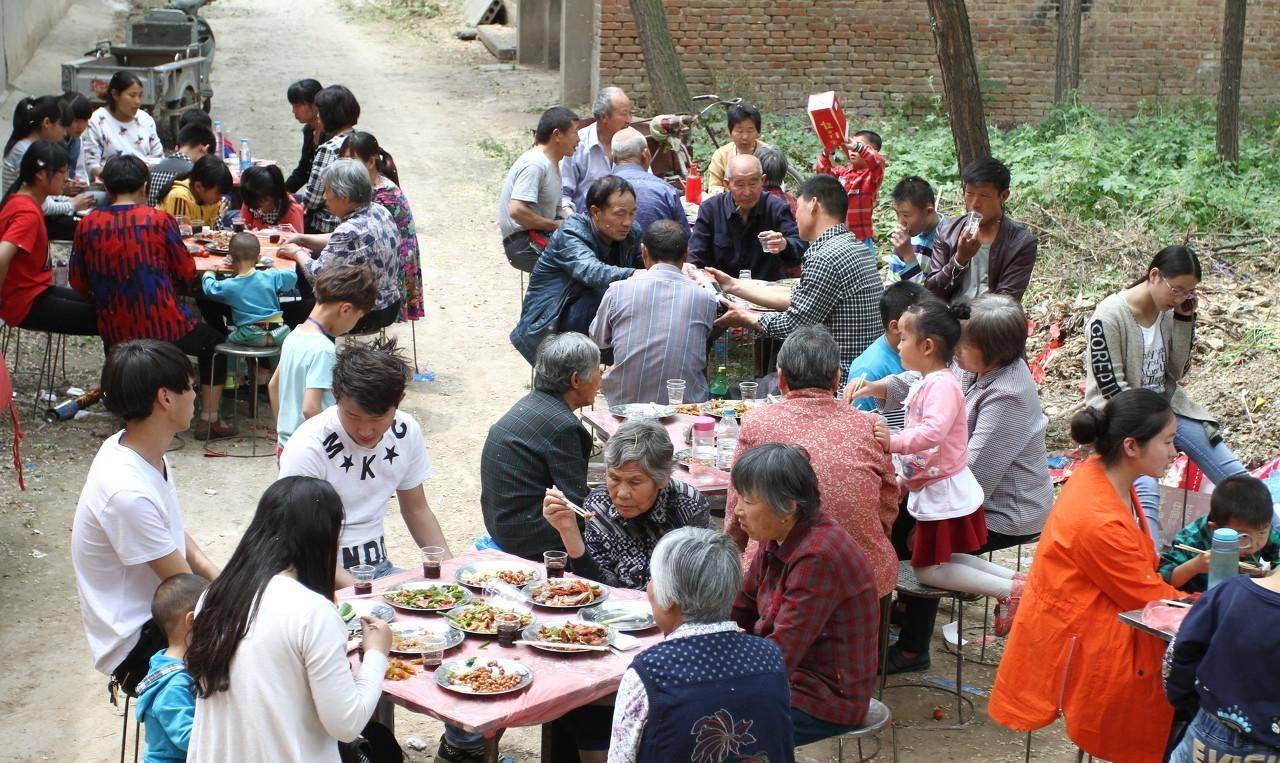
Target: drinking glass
[432,652]
[432,556]
[508,625]
[363,573]
[675,391]
[749,391]
[764,242]
[184,226]
[744,275]
[555,561]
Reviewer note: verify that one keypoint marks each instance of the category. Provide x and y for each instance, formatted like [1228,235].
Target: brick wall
[878,52]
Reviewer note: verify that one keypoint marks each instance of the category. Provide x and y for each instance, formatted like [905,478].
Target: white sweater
[292,695]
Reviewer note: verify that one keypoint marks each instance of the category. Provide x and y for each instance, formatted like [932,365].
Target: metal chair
[878,719]
[124,733]
[254,356]
[986,616]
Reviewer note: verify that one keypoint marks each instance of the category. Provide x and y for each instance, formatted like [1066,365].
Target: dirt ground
[431,100]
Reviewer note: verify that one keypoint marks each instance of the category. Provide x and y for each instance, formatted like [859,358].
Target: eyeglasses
[1178,291]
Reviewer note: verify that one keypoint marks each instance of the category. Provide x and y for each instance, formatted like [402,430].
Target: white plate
[531,634]
[462,664]
[638,614]
[424,585]
[466,570]
[452,636]
[642,411]
[453,614]
[603,593]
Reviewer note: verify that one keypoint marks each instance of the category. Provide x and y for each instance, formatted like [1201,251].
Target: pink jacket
[934,442]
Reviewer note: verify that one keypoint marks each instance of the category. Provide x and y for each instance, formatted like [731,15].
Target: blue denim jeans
[809,729]
[1207,739]
[385,568]
[1216,461]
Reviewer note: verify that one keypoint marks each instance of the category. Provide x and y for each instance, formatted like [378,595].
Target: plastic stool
[878,719]
[255,356]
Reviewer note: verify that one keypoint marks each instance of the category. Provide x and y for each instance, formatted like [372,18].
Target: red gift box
[828,119]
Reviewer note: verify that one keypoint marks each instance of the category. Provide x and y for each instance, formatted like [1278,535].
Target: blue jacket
[576,262]
[655,198]
[252,297]
[167,707]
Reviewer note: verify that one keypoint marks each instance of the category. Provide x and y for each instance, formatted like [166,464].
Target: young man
[1002,254]
[199,195]
[918,225]
[744,138]
[529,206]
[861,178]
[368,450]
[127,534]
[194,141]
[302,384]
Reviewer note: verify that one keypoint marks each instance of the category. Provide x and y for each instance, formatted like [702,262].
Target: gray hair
[603,105]
[348,179]
[781,477]
[998,328]
[742,159]
[628,145]
[773,163]
[560,356]
[810,358]
[697,570]
[645,442]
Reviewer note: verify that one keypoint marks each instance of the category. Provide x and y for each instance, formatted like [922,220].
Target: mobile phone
[1188,303]
[719,290]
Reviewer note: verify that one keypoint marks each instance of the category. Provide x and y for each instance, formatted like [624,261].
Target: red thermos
[693,185]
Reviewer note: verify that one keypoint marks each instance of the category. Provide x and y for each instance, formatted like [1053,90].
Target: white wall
[23,24]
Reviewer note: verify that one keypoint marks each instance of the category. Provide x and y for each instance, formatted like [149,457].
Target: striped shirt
[657,323]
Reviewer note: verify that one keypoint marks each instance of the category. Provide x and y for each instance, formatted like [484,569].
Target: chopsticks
[566,647]
[1245,565]
[1178,604]
[623,619]
[575,508]
[364,595]
[858,382]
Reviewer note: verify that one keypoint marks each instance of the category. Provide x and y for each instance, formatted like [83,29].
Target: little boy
[300,387]
[198,195]
[861,179]
[166,697]
[1241,503]
[918,223]
[253,295]
[880,359]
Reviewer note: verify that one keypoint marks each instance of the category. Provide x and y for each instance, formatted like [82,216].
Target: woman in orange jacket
[1069,653]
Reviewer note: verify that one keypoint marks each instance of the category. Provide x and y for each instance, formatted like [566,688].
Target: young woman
[266,202]
[302,99]
[1142,338]
[339,112]
[268,651]
[78,108]
[120,127]
[28,298]
[34,119]
[1069,654]
[386,192]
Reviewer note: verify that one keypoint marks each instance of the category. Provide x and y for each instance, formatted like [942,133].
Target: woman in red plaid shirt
[809,589]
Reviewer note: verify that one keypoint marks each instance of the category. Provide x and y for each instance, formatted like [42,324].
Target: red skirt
[936,541]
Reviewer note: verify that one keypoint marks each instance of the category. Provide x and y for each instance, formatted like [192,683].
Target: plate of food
[427,597]
[690,409]
[480,574]
[216,242]
[642,411]
[352,611]
[626,616]
[483,675]
[410,637]
[684,457]
[566,593]
[477,618]
[568,637]
[716,407]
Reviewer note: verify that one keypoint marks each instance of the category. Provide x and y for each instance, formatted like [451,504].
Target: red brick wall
[877,52]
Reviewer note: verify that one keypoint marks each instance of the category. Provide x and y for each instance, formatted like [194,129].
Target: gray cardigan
[1114,356]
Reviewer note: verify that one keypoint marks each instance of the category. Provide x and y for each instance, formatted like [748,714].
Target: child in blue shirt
[1242,503]
[253,295]
[880,359]
[166,697]
[918,224]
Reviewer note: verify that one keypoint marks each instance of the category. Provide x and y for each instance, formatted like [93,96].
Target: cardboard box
[828,119]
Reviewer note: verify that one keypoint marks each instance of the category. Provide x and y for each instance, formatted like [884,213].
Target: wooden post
[1067,66]
[670,91]
[1229,81]
[950,22]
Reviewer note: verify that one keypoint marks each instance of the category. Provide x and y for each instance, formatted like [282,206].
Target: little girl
[946,499]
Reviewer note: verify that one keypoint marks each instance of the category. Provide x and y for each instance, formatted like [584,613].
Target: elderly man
[529,206]
[839,286]
[730,225]
[655,198]
[539,444]
[593,158]
[657,324]
[591,250]
[366,235]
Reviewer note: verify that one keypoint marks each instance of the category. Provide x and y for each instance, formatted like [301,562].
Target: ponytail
[364,146]
[934,319]
[41,156]
[1139,414]
[30,113]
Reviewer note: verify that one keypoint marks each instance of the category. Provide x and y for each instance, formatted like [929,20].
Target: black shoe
[447,753]
[898,662]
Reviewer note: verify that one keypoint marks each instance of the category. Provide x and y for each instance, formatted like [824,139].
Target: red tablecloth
[560,682]
[214,262]
[605,424]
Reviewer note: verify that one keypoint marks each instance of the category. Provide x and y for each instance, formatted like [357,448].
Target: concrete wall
[23,24]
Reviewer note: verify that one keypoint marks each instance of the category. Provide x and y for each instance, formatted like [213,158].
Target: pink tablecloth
[605,424]
[560,682]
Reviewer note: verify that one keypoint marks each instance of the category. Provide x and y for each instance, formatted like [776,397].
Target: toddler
[253,295]
[166,697]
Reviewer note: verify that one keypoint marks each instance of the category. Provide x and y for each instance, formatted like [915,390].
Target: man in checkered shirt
[839,286]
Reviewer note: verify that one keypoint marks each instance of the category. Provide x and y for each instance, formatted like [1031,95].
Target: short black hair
[135,371]
[303,91]
[897,298]
[666,240]
[244,247]
[916,190]
[338,108]
[741,112]
[831,196]
[195,117]
[373,375]
[77,105]
[176,596]
[987,169]
[554,118]
[872,137]
[347,283]
[773,164]
[124,173]
[939,321]
[779,475]
[198,135]
[605,188]
[1244,498]
[260,182]
[211,172]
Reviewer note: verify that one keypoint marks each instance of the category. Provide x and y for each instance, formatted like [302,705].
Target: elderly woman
[742,679]
[637,505]
[854,472]
[828,633]
[367,235]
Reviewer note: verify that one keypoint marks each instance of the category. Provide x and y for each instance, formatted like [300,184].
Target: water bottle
[727,438]
[246,158]
[217,135]
[1224,556]
[704,446]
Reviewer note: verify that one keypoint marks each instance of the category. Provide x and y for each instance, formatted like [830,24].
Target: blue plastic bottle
[1224,556]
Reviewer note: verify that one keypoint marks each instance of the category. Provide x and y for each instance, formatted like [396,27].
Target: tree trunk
[950,22]
[1229,81]
[1067,67]
[669,90]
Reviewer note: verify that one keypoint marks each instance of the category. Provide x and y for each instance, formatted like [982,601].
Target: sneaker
[1021,576]
[213,430]
[1007,607]
[898,662]
[447,753]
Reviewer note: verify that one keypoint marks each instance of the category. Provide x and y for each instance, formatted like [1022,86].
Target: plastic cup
[555,561]
[744,275]
[184,227]
[675,391]
[432,556]
[508,625]
[749,391]
[764,242]
[363,573]
[432,652]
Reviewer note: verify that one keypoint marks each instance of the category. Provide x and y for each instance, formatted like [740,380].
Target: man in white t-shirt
[368,450]
[127,535]
[529,206]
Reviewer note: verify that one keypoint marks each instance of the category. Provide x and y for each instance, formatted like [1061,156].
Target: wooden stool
[878,719]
